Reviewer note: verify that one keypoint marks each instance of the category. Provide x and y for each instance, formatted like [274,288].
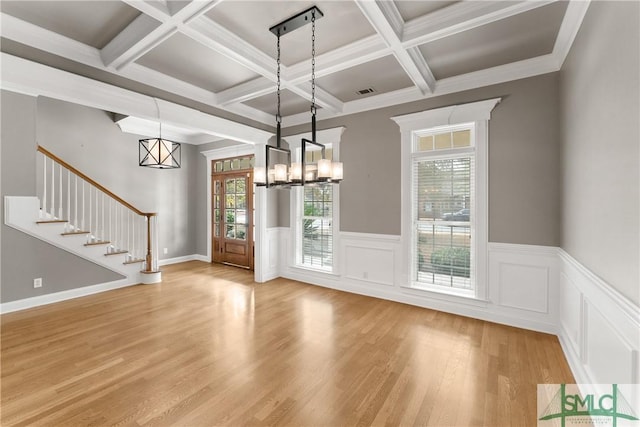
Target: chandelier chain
[313,63]
[278,116]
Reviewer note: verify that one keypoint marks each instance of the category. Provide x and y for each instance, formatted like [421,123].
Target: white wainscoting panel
[599,328]
[273,244]
[369,258]
[523,281]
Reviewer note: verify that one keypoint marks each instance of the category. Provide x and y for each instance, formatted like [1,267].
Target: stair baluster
[91,209]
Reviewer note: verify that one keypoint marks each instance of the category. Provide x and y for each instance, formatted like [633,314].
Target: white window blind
[443,208]
[317,231]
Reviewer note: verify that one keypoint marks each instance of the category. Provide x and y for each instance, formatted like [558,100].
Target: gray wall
[89,140]
[23,257]
[600,97]
[524,174]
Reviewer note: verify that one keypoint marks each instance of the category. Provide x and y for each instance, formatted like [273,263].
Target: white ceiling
[221,53]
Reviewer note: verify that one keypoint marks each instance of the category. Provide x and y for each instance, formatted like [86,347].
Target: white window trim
[479,113]
[330,137]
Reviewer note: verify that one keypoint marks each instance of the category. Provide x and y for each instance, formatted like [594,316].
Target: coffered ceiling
[221,53]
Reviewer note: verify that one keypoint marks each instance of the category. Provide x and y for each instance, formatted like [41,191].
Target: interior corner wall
[524,163]
[600,133]
[25,258]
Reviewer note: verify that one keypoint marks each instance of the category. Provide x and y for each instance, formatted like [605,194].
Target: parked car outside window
[461,215]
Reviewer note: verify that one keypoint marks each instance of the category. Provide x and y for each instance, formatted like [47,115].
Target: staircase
[75,213]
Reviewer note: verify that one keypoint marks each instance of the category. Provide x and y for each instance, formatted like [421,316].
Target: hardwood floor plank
[209,346]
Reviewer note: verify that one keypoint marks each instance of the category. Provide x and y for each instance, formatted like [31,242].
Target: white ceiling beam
[223,41]
[576,10]
[147,32]
[159,10]
[216,37]
[323,98]
[48,41]
[30,78]
[139,37]
[356,53]
[386,20]
[495,75]
[462,16]
[246,91]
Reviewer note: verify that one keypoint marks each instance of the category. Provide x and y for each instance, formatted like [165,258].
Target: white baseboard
[31,302]
[26,303]
[185,258]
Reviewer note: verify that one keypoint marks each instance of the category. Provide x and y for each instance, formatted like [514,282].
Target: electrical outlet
[37,283]
[166,251]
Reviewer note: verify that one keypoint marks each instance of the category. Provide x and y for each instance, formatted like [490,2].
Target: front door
[233,219]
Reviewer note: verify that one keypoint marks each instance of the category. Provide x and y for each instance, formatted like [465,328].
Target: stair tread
[51,221]
[101,242]
[73,233]
[116,253]
[134,261]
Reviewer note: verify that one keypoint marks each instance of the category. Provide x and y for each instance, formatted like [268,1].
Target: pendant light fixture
[276,172]
[159,153]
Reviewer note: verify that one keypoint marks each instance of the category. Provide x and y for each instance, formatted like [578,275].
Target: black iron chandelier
[159,153]
[278,170]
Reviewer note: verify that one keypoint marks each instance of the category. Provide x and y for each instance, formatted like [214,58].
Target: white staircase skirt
[23,213]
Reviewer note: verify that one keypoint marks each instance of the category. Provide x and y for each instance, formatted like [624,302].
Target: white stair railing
[87,208]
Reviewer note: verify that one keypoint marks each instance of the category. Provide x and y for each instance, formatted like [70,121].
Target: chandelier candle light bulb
[336,172]
[324,169]
[296,172]
[280,173]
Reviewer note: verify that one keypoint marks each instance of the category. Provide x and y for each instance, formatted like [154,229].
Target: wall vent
[365,91]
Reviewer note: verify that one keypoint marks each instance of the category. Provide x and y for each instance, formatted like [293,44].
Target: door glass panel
[230,186]
[216,202]
[230,201]
[241,216]
[216,215]
[231,216]
[240,186]
[241,201]
[216,231]
[241,232]
[231,232]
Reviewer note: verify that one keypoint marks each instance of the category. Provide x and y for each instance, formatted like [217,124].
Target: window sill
[466,296]
[322,271]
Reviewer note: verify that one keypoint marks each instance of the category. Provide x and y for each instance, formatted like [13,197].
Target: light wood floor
[209,347]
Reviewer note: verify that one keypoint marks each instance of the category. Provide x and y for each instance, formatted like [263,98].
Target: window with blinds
[317,231]
[443,207]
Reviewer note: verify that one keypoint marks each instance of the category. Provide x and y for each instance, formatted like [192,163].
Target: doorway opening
[232,209]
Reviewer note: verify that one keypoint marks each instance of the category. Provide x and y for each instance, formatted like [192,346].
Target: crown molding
[151,128]
[576,10]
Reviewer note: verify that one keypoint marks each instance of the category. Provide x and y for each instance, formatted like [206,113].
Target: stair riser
[22,213]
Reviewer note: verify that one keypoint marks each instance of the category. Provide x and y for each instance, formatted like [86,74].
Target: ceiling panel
[290,103]
[184,58]
[93,23]
[383,75]
[413,9]
[342,24]
[519,37]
